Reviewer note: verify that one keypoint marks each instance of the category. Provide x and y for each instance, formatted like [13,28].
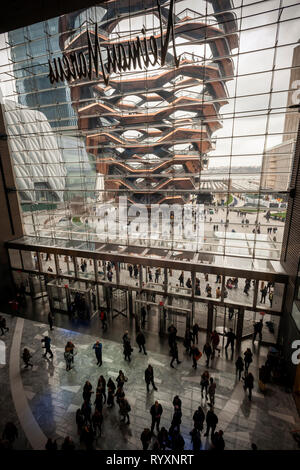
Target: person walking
[174,354]
[50,320]
[263,292]
[87,391]
[247,359]
[103,318]
[199,418]
[181,279]
[249,384]
[102,387]
[176,420]
[196,439]
[143,316]
[125,409]
[110,393]
[26,356]
[188,338]
[47,341]
[146,437]
[239,366]
[212,391]
[258,326]
[97,420]
[196,355]
[141,341]
[98,352]
[127,349]
[86,410]
[156,411]
[196,330]
[215,340]
[121,379]
[172,336]
[149,377]
[230,340]
[3,325]
[211,422]
[163,439]
[176,401]
[271,298]
[218,441]
[204,383]
[208,352]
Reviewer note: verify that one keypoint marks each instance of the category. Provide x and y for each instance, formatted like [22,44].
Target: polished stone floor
[42,402]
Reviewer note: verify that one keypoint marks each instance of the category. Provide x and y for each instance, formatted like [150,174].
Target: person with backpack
[149,377]
[103,318]
[26,356]
[239,366]
[47,341]
[125,409]
[211,421]
[141,341]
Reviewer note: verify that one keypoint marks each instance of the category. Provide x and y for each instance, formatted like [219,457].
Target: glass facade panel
[199,130]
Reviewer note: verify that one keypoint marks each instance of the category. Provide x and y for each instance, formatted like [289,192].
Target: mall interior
[150,183]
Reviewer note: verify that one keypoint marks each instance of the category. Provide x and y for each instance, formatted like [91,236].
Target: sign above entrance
[120,57]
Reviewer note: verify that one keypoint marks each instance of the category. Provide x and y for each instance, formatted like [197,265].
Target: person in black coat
[172,335]
[218,441]
[177,442]
[196,439]
[176,421]
[146,438]
[174,354]
[140,339]
[149,377]
[156,412]
[177,402]
[163,439]
[127,349]
[211,422]
[199,418]
[208,352]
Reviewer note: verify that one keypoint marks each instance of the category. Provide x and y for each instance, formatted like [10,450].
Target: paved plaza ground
[42,402]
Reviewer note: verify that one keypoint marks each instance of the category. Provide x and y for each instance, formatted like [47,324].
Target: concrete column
[210,315]
[11,220]
[239,326]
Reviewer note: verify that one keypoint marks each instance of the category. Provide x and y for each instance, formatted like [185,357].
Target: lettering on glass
[120,57]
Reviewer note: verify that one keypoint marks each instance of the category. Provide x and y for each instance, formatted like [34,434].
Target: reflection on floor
[54,394]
